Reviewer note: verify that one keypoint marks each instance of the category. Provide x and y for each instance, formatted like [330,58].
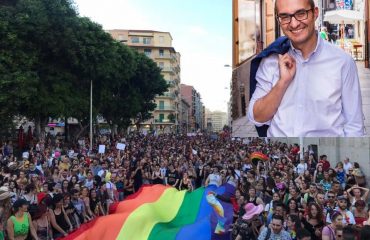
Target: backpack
[268,234]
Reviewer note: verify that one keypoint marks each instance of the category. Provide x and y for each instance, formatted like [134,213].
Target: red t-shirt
[325,164]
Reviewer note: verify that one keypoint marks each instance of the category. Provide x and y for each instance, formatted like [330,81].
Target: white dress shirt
[323,99]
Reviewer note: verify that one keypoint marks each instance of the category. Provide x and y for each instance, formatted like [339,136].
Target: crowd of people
[52,187]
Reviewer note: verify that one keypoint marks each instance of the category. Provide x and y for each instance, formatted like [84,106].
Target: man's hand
[265,108]
[287,67]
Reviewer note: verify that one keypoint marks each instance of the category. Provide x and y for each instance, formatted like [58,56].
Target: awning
[343,16]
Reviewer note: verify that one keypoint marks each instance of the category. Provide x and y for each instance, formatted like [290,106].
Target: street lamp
[91,100]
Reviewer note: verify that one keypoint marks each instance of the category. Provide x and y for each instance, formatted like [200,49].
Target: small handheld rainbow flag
[258,156]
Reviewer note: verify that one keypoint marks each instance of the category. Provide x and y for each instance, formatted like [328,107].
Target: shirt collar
[318,46]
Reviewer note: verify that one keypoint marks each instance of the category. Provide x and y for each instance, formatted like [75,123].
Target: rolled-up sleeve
[264,78]
[352,101]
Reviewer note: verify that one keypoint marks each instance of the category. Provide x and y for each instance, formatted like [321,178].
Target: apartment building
[196,118]
[158,46]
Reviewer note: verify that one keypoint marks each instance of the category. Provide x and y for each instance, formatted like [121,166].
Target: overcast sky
[201,32]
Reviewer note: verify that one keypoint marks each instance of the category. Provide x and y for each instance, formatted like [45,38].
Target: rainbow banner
[160,212]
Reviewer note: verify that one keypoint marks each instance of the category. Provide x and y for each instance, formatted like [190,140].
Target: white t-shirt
[347,216]
[347,166]
[301,168]
[89,183]
[214,179]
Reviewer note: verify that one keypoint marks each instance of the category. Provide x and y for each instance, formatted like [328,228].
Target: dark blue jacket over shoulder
[279,46]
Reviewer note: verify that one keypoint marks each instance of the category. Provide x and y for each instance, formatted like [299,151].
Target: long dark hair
[233,173]
[296,205]
[319,216]
[297,222]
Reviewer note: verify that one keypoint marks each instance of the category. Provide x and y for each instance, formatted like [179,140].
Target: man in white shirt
[347,165]
[348,218]
[301,167]
[313,90]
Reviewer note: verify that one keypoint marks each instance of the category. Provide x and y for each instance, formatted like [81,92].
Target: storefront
[346,27]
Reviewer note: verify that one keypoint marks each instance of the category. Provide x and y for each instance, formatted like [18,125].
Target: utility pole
[91,126]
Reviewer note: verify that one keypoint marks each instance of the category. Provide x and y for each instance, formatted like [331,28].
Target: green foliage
[49,56]
[172,118]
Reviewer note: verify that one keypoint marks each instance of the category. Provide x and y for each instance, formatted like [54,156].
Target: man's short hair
[278,217]
[279,204]
[312,4]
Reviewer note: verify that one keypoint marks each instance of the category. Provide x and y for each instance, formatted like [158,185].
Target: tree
[172,117]
[50,56]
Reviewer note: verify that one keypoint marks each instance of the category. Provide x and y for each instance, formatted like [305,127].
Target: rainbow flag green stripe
[187,214]
[141,221]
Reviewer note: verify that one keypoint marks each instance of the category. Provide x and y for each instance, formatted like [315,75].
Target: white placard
[25,155]
[101,148]
[194,152]
[245,141]
[121,146]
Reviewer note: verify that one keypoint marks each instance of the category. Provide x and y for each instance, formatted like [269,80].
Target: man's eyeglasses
[330,196]
[300,15]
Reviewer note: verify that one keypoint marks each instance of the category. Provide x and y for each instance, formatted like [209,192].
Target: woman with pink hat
[247,226]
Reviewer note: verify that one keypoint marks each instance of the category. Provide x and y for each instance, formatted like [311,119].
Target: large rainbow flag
[158,212]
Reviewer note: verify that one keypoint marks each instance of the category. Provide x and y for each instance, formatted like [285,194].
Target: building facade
[208,120]
[196,119]
[158,46]
[184,116]
[218,120]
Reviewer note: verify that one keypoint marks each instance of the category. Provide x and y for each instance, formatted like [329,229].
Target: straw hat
[4,193]
[252,210]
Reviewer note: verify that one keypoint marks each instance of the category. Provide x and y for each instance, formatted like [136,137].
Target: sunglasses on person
[331,196]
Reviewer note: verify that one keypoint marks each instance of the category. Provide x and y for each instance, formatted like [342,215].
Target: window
[161,105]
[161,39]
[161,65]
[147,52]
[161,117]
[147,40]
[161,53]
[121,37]
[135,39]
[249,28]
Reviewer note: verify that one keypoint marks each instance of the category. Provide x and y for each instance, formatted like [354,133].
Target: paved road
[364,75]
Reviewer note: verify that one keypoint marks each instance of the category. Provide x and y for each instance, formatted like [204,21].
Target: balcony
[165,121]
[171,83]
[165,108]
[167,95]
[163,56]
[168,69]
